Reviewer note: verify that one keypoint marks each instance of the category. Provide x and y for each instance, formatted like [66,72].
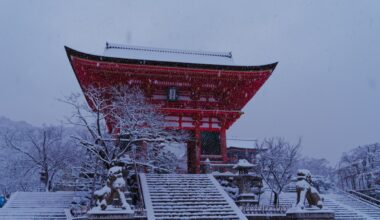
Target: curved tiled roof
[121,56]
[164,54]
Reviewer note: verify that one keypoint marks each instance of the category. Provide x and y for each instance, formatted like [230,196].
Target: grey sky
[326,87]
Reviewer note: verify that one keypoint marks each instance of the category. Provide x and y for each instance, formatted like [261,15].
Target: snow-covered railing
[141,167]
[226,165]
[221,168]
[265,209]
[365,197]
[139,212]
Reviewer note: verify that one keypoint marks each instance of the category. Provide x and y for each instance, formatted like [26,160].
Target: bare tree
[41,152]
[321,170]
[119,122]
[14,175]
[317,166]
[276,160]
[359,168]
[367,153]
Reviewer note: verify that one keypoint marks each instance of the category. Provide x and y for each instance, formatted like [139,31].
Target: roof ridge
[166,50]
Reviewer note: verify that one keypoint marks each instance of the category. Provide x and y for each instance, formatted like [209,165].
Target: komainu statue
[305,191]
[113,191]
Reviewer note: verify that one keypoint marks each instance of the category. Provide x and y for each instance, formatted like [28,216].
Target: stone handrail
[265,209]
[365,197]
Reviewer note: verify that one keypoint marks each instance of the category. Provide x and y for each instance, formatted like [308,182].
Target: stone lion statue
[112,190]
[305,191]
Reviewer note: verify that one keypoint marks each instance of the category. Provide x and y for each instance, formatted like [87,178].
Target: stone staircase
[368,211]
[341,211]
[36,205]
[186,196]
[344,205]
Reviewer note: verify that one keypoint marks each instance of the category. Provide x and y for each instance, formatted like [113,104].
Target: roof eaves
[163,50]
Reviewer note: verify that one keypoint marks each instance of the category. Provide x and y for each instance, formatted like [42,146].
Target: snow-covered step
[37,205]
[186,196]
[364,209]
[344,206]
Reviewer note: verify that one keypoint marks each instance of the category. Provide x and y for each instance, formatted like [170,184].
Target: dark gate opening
[210,143]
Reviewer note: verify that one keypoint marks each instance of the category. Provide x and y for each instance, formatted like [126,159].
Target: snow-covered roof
[171,55]
[243,163]
[241,143]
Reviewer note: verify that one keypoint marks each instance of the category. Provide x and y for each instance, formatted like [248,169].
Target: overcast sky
[326,88]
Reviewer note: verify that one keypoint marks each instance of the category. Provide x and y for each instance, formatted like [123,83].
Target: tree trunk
[93,187]
[46,182]
[275,199]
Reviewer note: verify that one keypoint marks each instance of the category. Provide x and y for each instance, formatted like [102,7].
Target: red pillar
[223,144]
[198,150]
[191,154]
[194,148]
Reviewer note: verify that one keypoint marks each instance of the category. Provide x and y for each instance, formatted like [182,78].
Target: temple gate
[202,92]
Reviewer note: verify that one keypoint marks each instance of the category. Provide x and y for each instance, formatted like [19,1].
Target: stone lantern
[207,166]
[244,182]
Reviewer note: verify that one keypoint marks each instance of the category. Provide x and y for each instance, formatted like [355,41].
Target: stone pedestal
[246,199]
[310,214]
[109,213]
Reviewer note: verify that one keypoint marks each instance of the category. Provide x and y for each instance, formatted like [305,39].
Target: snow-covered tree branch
[359,168]
[44,152]
[120,122]
[276,160]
